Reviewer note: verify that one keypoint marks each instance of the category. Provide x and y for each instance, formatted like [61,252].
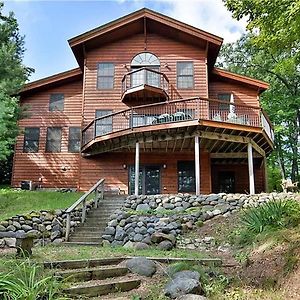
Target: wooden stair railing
[98,189]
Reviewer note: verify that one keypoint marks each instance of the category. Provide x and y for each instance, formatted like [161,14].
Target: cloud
[208,15]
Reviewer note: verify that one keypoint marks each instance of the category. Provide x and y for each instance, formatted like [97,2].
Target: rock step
[86,234]
[83,263]
[98,288]
[86,239]
[92,273]
[81,243]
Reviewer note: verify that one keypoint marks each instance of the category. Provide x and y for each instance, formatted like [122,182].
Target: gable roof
[51,81]
[145,21]
[229,76]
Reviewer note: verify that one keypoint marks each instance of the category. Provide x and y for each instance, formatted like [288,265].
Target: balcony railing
[145,76]
[176,111]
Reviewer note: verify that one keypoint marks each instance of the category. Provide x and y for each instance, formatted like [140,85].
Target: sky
[47,25]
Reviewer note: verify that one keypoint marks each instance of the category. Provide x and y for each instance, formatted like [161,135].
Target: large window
[56,102]
[226,99]
[186,176]
[31,139]
[185,75]
[53,143]
[105,79]
[74,139]
[103,126]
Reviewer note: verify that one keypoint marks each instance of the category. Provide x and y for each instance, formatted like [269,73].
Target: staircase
[86,279]
[90,232]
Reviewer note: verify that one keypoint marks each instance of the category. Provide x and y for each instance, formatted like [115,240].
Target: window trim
[38,140]
[106,76]
[56,110]
[47,141]
[69,140]
[177,75]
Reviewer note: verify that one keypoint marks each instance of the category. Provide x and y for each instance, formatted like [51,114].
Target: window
[185,75]
[103,126]
[56,102]
[186,176]
[74,139]
[105,78]
[53,143]
[226,98]
[31,140]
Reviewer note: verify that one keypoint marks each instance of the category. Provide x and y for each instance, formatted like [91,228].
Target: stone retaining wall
[145,217]
[45,226]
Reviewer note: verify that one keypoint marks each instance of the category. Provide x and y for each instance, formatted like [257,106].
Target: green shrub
[27,281]
[271,215]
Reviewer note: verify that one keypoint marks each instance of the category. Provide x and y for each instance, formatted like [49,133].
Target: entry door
[149,180]
[227,182]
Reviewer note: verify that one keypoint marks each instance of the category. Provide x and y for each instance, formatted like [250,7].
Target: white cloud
[208,15]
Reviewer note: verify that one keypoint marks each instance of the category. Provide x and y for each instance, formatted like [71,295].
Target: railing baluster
[68,226]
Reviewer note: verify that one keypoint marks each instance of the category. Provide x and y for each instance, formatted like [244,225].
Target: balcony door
[149,180]
[142,76]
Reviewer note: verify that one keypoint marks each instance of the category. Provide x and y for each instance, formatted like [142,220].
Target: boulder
[158,237]
[120,233]
[187,274]
[165,245]
[142,207]
[138,237]
[141,246]
[2,228]
[128,245]
[10,242]
[109,230]
[27,227]
[180,286]
[141,266]
[7,234]
[191,297]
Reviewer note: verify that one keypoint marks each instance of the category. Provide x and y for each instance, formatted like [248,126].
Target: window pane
[225,98]
[186,176]
[185,82]
[53,143]
[56,102]
[103,126]
[105,78]
[31,140]
[185,68]
[74,139]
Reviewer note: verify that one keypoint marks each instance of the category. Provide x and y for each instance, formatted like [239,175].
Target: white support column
[197,164]
[250,169]
[137,168]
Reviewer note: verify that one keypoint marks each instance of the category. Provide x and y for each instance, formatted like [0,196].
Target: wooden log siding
[110,167]
[122,52]
[32,166]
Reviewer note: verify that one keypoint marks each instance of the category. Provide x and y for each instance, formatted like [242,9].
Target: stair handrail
[98,189]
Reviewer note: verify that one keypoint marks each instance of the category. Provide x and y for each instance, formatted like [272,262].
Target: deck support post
[266,175]
[250,170]
[197,165]
[137,168]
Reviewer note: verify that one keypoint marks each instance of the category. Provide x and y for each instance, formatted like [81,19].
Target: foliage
[27,281]
[6,170]
[13,202]
[13,75]
[270,52]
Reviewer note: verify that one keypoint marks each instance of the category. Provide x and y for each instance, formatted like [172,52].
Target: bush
[271,215]
[27,281]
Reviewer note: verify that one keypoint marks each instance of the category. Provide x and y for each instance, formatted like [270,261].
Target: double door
[149,180]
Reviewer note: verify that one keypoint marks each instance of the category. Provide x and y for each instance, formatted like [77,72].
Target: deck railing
[98,190]
[176,111]
[145,76]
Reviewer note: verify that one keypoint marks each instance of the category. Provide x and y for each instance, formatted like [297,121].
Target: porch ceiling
[222,143]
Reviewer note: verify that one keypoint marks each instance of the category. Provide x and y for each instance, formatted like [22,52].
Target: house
[148,111]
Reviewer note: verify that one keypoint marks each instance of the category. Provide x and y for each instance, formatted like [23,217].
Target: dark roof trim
[241,78]
[51,80]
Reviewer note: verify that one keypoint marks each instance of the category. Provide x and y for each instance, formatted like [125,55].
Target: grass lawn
[14,202]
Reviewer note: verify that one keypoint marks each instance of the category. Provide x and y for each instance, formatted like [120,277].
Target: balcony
[211,116]
[144,85]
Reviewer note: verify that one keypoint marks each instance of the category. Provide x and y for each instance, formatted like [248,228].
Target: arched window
[145,59]
[145,76]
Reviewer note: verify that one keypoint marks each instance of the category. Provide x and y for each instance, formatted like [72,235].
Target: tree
[270,51]
[13,75]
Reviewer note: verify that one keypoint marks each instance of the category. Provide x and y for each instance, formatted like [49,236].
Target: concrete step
[98,288]
[85,239]
[99,273]
[87,235]
[81,244]
[84,263]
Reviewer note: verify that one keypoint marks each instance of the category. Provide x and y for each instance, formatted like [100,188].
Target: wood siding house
[148,111]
